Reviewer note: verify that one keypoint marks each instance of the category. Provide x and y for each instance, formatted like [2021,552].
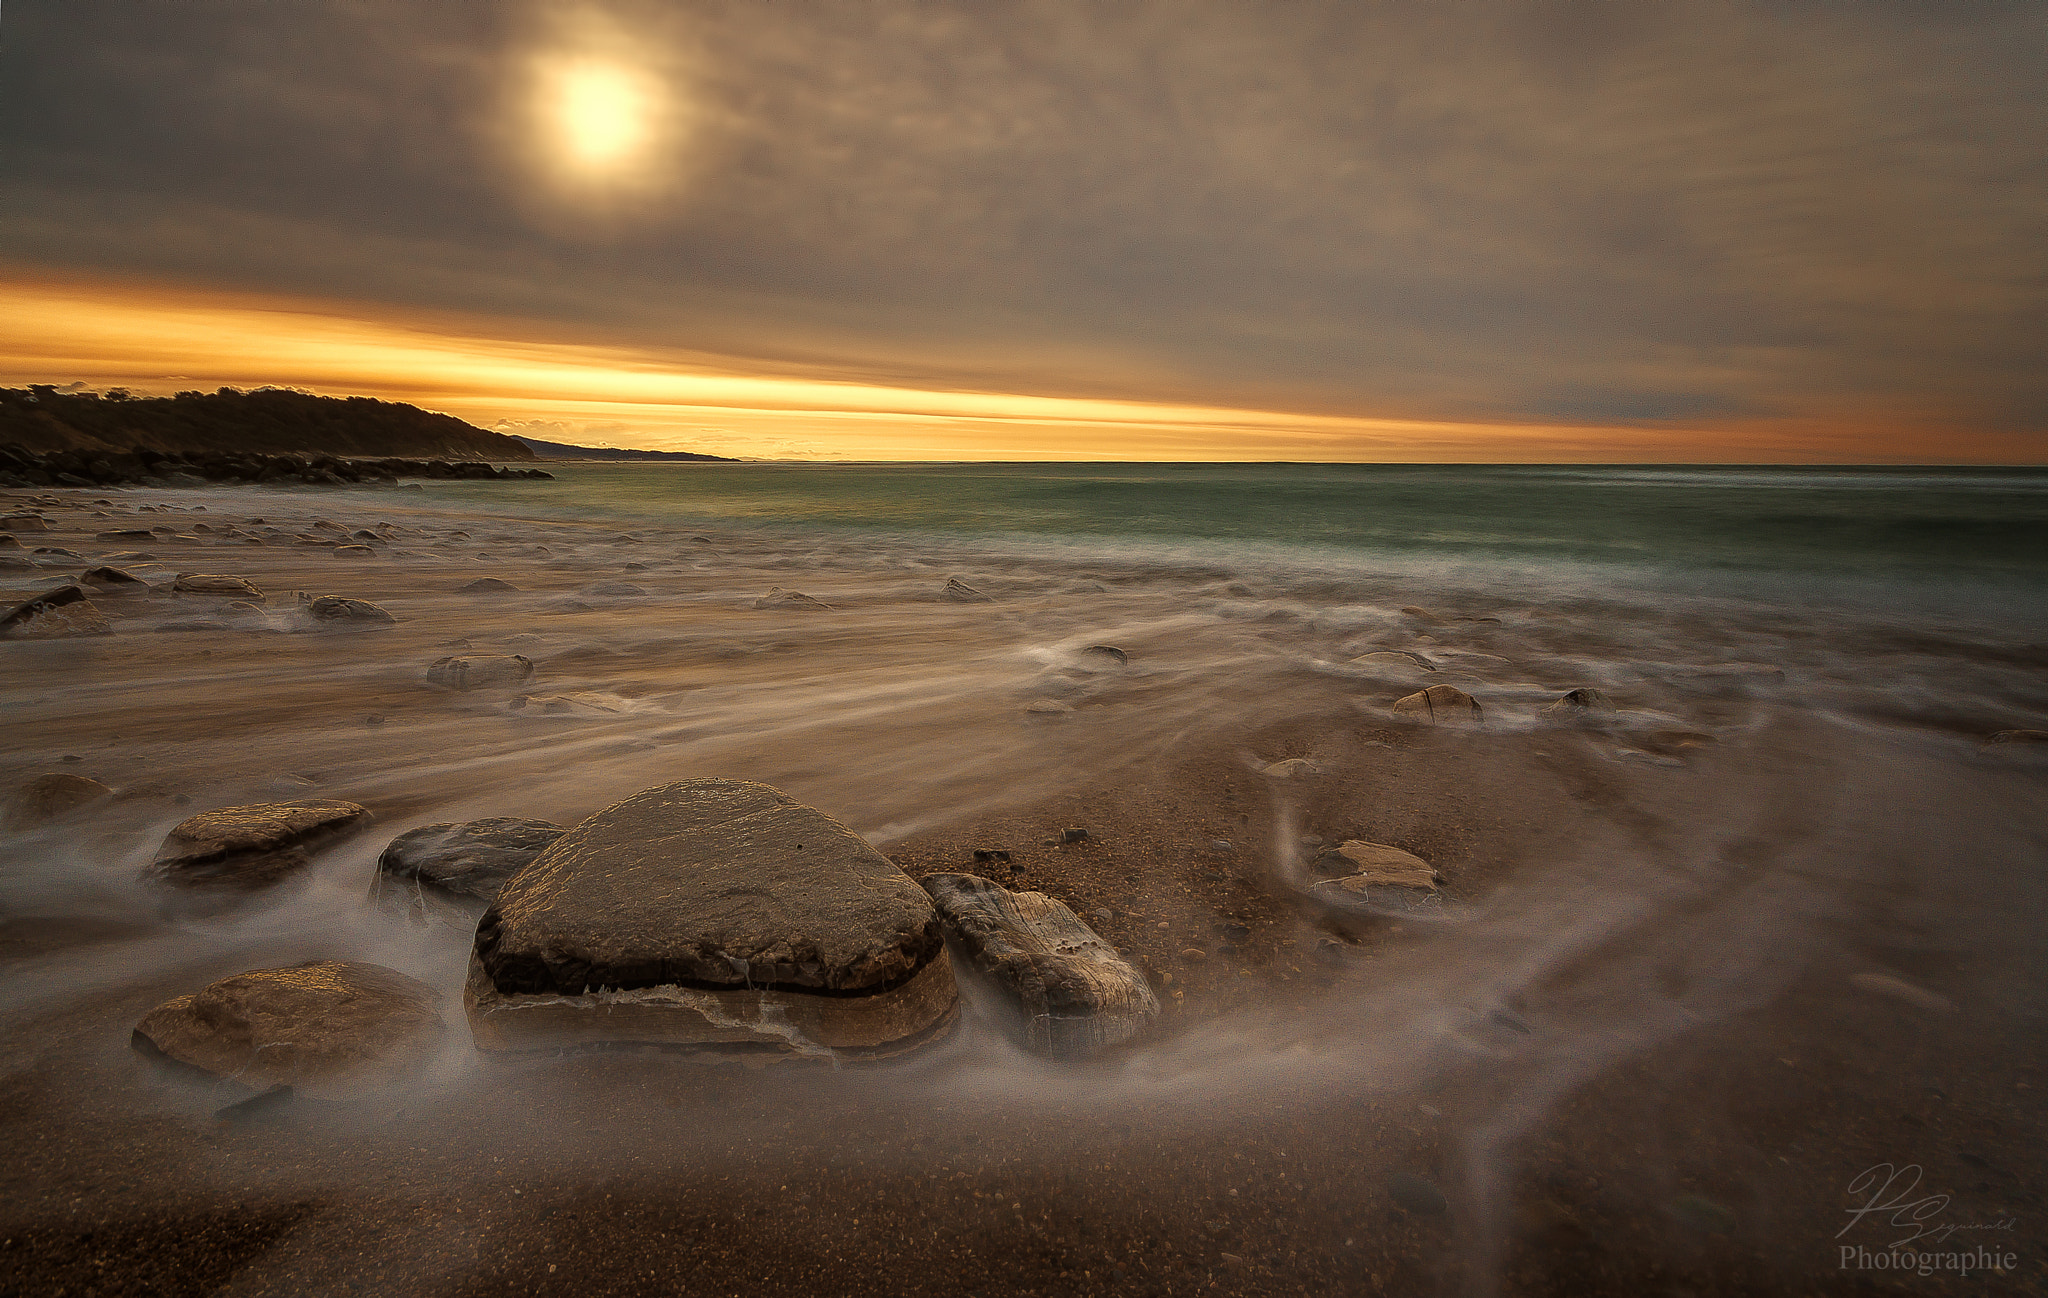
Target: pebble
[1073,835]
[1193,954]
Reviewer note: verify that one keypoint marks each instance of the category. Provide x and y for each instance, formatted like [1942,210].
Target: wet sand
[1637,1060]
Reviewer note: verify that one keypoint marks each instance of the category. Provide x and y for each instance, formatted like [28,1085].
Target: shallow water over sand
[1787,798]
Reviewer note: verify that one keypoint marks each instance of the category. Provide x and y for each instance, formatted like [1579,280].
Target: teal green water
[1975,539]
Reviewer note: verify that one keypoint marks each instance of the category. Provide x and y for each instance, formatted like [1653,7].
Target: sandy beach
[1691,973]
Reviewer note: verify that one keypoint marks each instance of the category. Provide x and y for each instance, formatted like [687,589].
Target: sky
[1070,230]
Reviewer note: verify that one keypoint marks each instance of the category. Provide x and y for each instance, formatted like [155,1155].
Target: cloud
[1424,212]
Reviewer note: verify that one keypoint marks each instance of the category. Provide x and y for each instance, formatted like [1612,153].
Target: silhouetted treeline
[267,421]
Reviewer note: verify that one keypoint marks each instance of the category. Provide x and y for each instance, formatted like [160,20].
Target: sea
[1966,543]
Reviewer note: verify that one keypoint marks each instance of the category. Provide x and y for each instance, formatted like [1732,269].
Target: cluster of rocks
[718,915]
[140,466]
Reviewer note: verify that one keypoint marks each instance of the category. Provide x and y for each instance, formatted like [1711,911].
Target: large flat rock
[1075,993]
[324,1027]
[241,849]
[705,912]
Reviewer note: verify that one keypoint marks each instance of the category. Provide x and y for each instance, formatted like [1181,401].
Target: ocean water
[1952,542]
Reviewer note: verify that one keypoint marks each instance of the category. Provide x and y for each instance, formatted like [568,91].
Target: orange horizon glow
[493,373]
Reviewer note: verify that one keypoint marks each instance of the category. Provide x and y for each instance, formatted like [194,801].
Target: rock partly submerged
[777,597]
[1440,705]
[342,613]
[48,797]
[960,592]
[1074,994]
[1580,704]
[461,865]
[325,1028]
[244,849]
[223,585]
[54,615]
[479,671]
[717,914]
[1384,880]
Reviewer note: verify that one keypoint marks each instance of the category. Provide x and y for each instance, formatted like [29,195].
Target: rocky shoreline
[141,466]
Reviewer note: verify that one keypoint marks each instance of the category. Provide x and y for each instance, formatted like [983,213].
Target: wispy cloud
[1705,220]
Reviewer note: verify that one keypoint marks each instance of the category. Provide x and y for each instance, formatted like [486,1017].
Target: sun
[601,115]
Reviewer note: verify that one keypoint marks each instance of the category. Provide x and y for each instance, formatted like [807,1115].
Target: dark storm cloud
[1598,212]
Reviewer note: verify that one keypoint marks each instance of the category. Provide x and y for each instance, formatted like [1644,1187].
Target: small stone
[1108,651]
[1294,768]
[1377,863]
[991,855]
[1423,615]
[789,598]
[49,796]
[480,671]
[1221,846]
[778,598]
[1440,705]
[486,586]
[373,720]
[615,589]
[24,523]
[354,552]
[1047,708]
[338,611]
[1193,954]
[1416,1195]
[114,581]
[1074,835]
[221,584]
[961,593]
[325,1027]
[1579,702]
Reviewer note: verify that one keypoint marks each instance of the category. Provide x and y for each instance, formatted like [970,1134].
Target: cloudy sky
[1070,230]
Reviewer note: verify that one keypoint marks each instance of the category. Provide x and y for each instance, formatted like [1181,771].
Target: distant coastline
[266,421]
[564,451]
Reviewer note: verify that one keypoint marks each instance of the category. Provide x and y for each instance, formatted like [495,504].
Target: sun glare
[602,115]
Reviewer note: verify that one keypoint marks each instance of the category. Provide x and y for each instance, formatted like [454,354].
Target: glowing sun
[601,116]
